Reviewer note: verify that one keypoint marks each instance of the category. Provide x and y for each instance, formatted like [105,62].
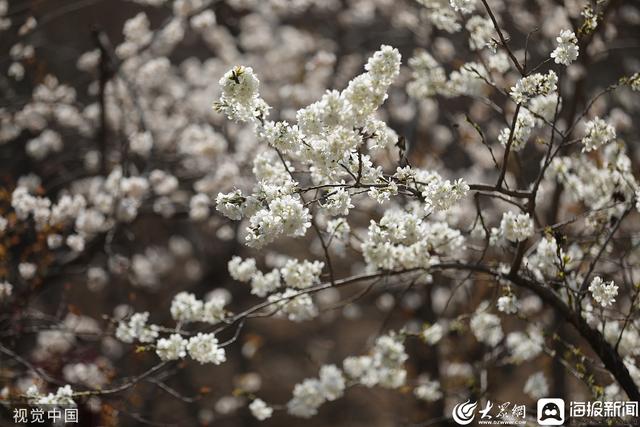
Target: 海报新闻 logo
[550,412]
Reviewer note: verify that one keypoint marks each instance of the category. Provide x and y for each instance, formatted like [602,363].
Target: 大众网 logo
[463,413]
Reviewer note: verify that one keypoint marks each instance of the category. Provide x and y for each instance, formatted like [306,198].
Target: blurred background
[98,74]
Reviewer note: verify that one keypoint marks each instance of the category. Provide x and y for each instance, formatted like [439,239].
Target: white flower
[634,82]
[213,310]
[297,306]
[54,241]
[6,290]
[136,29]
[338,202]
[384,65]
[332,381]
[403,240]
[264,284]
[172,348]
[240,100]
[468,80]
[481,32]
[260,409]
[88,374]
[135,187]
[76,242]
[141,143]
[242,270]
[544,106]
[203,21]
[524,346]
[231,205]
[499,62]
[524,125]
[534,85]
[383,194]
[428,77]
[27,270]
[185,307]
[537,386]
[199,206]
[486,328]
[339,229]
[567,50]
[356,367]
[433,334]
[307,398]
[508,304]
[597,133]
[46,143]
[136,329]
[603,292]
[301,275]
[204,348]
[547,256]
[441,194]
[163,183]
[444,19]
[384,367]
[285,216]
[463,6]
[62,397]
[516,227]
[281,136]
[429,391]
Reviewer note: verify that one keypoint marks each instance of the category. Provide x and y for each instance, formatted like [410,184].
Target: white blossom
[464,6]
[428,391]
[240,99]
[185,307]
[136,328]
[307,398]
[508,304]
[516,227]
[172,348]
[536,386]
[604,293]
[62,397]
[295,305]
[301,275]
[486,328]
[433,334]
[332,381]
[597,133]
[534,85]
[6,289]
[204,348]
[567,49]
[260,409]
[199,206]
[338,202]
[263,284]
[231,205]
[242,270]
[524,346]
[27,270]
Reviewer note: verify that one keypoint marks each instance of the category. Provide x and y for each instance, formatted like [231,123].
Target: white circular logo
[463,413]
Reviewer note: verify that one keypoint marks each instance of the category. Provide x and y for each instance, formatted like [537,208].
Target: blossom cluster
[604,293]
[567,50]
[433,190]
